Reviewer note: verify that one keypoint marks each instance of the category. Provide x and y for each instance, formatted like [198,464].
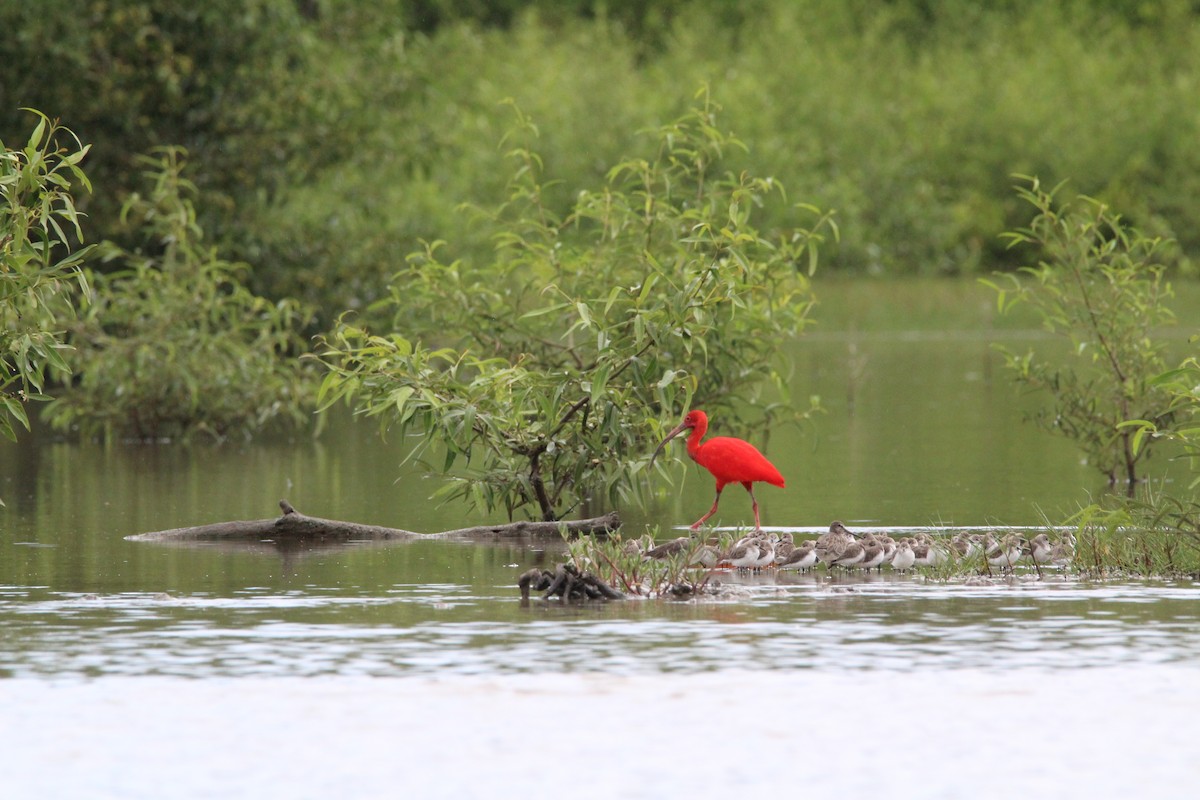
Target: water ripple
[452,628]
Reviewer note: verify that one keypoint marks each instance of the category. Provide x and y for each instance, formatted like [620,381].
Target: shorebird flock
[841,548]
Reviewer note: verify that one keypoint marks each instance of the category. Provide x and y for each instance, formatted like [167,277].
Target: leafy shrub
[37,262]
[335,135]
[217,78]
[1099,284]
[173,345]
[547,370]
[1154,536]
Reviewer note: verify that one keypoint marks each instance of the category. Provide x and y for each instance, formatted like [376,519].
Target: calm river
[412,670]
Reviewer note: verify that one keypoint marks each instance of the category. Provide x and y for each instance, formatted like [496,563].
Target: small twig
[616,571]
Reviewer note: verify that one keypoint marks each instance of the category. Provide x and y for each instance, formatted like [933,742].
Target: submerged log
[292,525]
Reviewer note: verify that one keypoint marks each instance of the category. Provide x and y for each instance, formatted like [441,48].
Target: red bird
[729,460]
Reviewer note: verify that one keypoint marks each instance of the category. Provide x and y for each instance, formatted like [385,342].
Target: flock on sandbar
[839,547]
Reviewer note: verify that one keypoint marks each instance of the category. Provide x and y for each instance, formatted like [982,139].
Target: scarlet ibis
[729,460]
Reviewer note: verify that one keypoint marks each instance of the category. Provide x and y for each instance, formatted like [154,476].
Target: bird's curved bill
[678,429]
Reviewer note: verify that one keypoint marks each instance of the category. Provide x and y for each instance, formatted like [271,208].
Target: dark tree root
[567,583]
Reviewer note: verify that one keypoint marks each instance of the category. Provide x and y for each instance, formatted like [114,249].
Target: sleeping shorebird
[930,551]
[965,546]
[668,548]
[743,555]
[920,547]
[1064,550]
[889,549]
[873,553]
[1005,553]
[1039,549]
[766,553]
[784,547]
[853,554]
[704,556]
[803,557]
[1043,551]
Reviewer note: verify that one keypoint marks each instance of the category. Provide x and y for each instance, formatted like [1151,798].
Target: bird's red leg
[754,504]
[696,525]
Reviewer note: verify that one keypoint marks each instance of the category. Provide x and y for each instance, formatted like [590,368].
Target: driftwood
[297,527]
[595,526]
[567,583]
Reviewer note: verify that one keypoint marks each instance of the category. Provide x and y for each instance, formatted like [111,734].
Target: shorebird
[1039,549]
[704,556]
[1064,550]
[853,554]
[920,548]
[1006,553]
[766,553]
[802,557]
[889,548]
[904,558]
[965,546]
[668,548]
[873,554]
[831,545]
[742,555]
[784,547]
[929,551]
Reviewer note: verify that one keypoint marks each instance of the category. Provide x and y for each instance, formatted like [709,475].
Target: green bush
[173,345]
[337,136]
[1098,283]
[39,262]
[907,120]
[218,78]
[547,369]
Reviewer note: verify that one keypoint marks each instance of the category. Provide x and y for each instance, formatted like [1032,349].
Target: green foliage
[1177,513]
[1155,537]
[646,20]
[173,345]
[907,118]
[547,369]
[218,78]
[335,135]
[38,267]
[1182,387]
[421,129]
[623,565]
[1097,283]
